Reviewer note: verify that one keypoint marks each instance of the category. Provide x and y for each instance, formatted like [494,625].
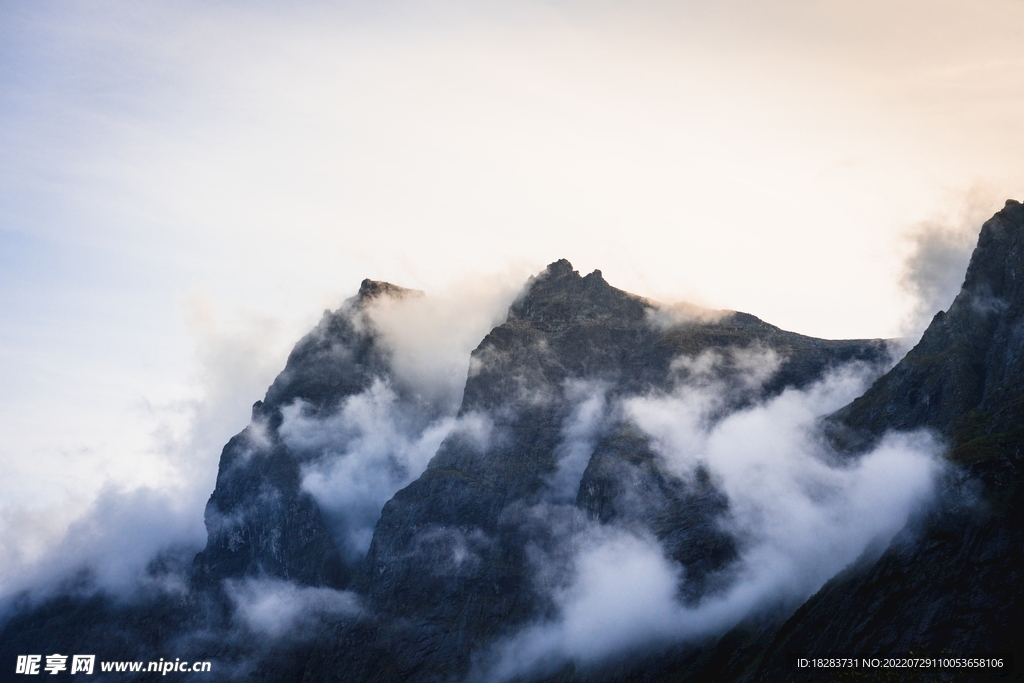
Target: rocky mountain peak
[562,267]
[370,290]
[964,377]
[997,266]
[559,296]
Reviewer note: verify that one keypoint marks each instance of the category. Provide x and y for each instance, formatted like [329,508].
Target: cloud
[623,596]
[579,437]
[360,456]
[147,504]
[666,316]
[797,511]
[278,609]
[708,385]
[430,338]
[940,250]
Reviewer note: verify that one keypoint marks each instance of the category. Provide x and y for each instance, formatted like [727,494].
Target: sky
[185,187]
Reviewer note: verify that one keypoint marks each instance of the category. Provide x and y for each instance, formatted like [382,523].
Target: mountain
[361,530]
[562,330]
[430,615]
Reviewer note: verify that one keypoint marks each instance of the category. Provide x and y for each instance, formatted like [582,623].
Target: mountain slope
[953,582]
[964,377]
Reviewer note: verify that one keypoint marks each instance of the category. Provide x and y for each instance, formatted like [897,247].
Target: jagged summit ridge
[559,296]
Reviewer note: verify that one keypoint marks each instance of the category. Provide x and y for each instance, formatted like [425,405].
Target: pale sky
[185,187]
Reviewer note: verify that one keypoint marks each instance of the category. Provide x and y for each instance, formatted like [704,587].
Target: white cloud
[280,609]
[940,249]
[360,456]
[111,513]
[430,337]
[580,433]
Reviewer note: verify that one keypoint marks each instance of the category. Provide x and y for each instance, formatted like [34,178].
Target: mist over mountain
[605,489]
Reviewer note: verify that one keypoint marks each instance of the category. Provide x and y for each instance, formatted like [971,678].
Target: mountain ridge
[540,450]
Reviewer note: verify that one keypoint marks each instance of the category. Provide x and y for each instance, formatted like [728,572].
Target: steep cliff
[964,377]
